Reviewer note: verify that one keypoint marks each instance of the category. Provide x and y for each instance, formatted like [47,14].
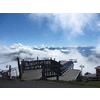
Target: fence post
[9,71]
[38,62]
[20,76]
[37,58]
[43,70]
[58,68]
[23,65]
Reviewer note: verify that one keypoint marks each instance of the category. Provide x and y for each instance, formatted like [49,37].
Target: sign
[0,75]
[7,66]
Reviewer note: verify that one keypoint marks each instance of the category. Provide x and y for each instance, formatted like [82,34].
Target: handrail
[66,67]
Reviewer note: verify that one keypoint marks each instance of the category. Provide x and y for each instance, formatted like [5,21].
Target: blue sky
[49,29]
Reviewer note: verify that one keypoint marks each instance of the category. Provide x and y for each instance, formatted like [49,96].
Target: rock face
[32,74]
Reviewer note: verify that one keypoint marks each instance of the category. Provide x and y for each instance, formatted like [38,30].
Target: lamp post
[81,68]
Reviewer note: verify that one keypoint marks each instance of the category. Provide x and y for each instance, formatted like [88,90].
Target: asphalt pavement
[38,84]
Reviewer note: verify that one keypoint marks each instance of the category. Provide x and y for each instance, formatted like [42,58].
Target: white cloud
[42,46]
[23,52]
[35,47]
[72,24]
[98,49]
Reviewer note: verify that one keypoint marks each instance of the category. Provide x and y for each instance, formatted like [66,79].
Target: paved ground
[38,84]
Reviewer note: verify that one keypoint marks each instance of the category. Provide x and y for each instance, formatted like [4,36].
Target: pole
[58,69]
[19,69]
[23,65]
[81,69]
[37,58]
[9,71]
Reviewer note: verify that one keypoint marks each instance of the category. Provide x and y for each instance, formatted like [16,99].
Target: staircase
[71,75]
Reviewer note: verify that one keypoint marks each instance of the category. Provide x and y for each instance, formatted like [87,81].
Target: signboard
[7,66]
[0,75]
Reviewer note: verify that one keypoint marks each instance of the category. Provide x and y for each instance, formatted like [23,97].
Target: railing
[50,68]
[67,66]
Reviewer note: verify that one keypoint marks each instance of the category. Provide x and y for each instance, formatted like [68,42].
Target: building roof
[62,62]
[90,75]
[87,73]
[98,67]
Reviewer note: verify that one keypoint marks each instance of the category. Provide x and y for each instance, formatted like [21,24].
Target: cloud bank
[26,52]
[72,24]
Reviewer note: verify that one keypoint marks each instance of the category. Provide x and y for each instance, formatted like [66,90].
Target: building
[97,71]
[5,75]
[0,74]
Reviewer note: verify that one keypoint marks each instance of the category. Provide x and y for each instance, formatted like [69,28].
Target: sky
[50,29]
[20,32]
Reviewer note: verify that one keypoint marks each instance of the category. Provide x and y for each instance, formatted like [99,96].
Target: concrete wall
[32,74]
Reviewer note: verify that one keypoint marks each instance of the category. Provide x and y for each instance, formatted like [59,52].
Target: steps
[71,75]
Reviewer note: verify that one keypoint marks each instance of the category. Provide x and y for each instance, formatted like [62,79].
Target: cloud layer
[26,52]
[70,23]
